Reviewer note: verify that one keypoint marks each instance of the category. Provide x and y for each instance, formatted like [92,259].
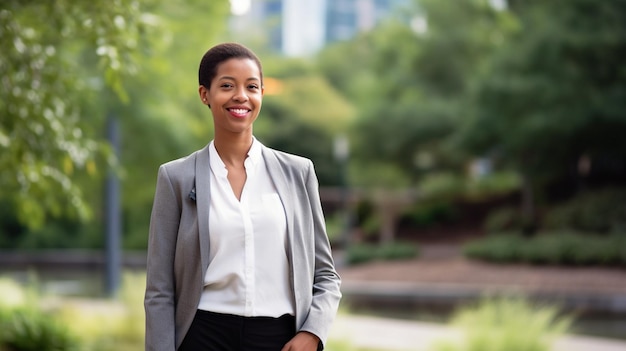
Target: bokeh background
[494,126]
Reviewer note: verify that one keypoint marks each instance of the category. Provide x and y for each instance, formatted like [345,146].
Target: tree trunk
[529,221]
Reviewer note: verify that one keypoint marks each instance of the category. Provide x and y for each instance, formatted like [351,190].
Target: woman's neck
[233,149]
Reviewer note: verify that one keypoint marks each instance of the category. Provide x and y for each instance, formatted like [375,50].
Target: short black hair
[220,53]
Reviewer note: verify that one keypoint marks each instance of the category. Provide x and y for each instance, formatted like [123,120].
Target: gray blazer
[178,246]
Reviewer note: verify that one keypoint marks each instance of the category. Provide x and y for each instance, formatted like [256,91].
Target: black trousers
[212,331]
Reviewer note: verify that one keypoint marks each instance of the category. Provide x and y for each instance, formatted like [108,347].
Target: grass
[511,324]
[107,325]
[65,324]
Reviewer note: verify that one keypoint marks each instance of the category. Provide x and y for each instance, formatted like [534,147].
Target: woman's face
[235,95]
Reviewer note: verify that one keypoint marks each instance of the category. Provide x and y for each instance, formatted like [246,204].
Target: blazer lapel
[285,192]
[203,195]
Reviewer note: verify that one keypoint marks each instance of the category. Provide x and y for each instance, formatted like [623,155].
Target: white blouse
[248,273]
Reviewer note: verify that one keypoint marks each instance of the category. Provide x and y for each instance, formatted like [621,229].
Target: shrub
[506,324]
[445,185]
[396,251]
[503,219]
[29,329]
[86,325]
[550,248]
[24,326]
[503,247]
[602,211]
[106,325]
[428,212]
[493,184]
[360,253]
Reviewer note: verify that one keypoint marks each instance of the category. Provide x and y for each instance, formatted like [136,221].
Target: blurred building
[302,27]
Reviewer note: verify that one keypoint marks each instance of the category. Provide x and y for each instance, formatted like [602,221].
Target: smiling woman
[238,256]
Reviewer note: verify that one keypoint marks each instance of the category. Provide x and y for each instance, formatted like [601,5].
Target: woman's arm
[159,298]
[326,280]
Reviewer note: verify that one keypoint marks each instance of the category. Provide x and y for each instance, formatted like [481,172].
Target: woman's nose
[240,95]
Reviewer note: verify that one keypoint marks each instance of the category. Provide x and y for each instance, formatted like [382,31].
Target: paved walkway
[401,335]
[442,276]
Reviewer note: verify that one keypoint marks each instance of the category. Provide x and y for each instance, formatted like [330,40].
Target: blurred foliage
[31,321]
[495,324]
[303,117]
[364,252]
[43,141]
[597,211]
[562,247]
[554,92]
[411,91]
[30,329]
[80,60]
[533,88]
[601,211]
[503,219]
[109,325]
[492,185]
[442,196]
[430,212]
[24,326]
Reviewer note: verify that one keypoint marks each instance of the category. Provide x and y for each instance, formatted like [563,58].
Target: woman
[238,257]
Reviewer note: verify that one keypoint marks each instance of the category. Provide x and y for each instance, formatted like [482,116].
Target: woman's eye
[253,87]
[226,85]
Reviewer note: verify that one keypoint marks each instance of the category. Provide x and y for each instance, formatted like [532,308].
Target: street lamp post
[342,154]
[113,221]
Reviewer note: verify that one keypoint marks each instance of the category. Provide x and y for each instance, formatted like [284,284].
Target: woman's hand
[303,341]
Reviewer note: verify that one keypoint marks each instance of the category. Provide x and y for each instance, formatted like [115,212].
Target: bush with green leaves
[429,212]
[601,211]
[502,219]
[26,327]
[569,248]
[493,184]
[364,252]
[510,324]
[30,321]
[30,329]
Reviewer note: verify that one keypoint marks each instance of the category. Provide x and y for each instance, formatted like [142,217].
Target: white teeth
[239,111]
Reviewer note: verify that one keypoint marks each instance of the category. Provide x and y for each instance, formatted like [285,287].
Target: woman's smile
[239,112]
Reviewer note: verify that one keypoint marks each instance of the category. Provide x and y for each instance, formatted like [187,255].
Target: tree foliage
[536,86]
[412,90]
[43,141]
[554,94]
[557,89]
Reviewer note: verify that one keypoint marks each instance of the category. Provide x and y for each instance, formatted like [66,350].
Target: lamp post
[341,149]
[113,222]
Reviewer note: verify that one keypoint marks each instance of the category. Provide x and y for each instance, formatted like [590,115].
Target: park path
[401,335]
[442,275]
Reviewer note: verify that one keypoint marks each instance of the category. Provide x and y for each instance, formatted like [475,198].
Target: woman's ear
[204,95]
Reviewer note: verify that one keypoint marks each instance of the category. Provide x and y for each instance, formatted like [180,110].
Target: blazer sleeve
[326,280]
[160,294]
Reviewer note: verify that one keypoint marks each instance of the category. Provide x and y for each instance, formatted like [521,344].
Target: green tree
[412,91]
[151,89]
[554,92]
[43,140]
